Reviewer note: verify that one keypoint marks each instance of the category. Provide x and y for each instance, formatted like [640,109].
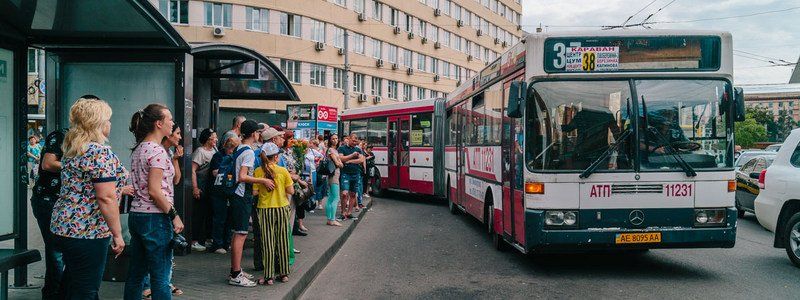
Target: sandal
[283,278]
[264,281]
[176,291]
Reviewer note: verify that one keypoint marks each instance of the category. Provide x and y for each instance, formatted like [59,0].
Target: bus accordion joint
[534,188]
[731,186]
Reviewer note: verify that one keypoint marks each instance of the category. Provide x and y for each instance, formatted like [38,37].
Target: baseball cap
[270,149]
[248,128]
[270,133]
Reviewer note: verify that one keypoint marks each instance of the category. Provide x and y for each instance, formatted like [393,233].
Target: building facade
[398,50]
[774,98]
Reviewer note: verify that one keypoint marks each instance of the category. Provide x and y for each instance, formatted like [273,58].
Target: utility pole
[346,82]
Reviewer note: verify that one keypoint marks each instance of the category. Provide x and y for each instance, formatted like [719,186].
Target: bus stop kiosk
[126,53]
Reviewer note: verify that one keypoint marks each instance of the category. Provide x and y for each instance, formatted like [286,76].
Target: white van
[778,203]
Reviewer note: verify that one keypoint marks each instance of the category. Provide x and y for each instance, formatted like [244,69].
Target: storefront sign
[327,113]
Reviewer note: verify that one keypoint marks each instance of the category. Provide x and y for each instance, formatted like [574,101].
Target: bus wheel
[793,239]
[450,204]
[489,218]
[497,242]
[375,187]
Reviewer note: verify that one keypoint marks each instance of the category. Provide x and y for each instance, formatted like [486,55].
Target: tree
[749,132]
[784,125]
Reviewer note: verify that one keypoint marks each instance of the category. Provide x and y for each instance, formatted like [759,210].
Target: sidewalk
[204,275]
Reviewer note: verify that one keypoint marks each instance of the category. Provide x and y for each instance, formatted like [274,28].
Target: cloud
[770,36]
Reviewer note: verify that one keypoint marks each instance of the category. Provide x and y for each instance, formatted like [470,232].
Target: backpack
[326,166]
[226,175]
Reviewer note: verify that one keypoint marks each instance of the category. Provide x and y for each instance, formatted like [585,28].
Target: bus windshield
[682,125]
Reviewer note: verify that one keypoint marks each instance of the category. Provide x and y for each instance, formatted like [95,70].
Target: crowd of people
[256,179]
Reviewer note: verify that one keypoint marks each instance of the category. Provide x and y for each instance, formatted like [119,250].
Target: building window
[394,17]
[341,3]
[291,68]
[435,66]
[218,14]
[392,54]
[407,92]
[434,94]
[446,7]
[377,86]
[421,62]
[423,28]
[318,73]
[392,89]
[456,12]
[318,31]
[358,6]
[290,24]
[409,23]
[257,19]
[407,58]
[358,83]
[377,11]
[377,49]
[446,39]
[338,37]
[446,69]
[458,73]
[358,43]
[33,60]
[338,78]
[420,93]
[176,11]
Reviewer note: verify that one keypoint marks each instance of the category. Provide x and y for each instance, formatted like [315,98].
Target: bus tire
[792,239]
[488,214]
[375,188]
[450,205]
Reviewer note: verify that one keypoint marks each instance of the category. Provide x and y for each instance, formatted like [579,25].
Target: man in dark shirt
[592,140]
[350,179]
[45,194]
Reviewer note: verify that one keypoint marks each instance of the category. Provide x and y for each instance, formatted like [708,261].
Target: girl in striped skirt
[273,214]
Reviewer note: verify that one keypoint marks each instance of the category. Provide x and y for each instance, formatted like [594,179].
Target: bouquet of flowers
[299,149]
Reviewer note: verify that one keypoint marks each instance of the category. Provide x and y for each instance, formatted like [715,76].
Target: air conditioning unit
[469,57]
[519,27]
[436,78]
[396,30]
[424,40]
[395,66]
[458,83]
[376,99]
[496,41]
[460,23]
[505,44]
[479,32]
[319,46]
[362,17]
[410,35]
[437,45]
[340,51]
[437,12]
[362,98]
[410,71]
[219,31]
[379,63]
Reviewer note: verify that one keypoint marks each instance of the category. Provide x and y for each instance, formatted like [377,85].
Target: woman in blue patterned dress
[85,218]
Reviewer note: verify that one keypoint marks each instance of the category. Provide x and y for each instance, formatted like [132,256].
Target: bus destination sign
[590,59]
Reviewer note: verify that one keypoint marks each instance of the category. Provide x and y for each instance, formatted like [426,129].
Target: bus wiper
[671,151]
[622,137]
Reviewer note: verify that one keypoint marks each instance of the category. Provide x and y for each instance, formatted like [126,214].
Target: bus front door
[392,178]
[403,155]
[513,183]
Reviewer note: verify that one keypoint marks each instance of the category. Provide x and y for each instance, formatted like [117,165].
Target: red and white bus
[403,136]
[610,140]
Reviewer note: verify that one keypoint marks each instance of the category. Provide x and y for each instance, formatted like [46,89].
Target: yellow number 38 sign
[588,61]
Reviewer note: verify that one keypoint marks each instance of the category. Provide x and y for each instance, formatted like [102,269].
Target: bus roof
[630,32]
[400,108]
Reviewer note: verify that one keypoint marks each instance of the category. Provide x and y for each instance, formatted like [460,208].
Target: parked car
[778,203]
[773,147]
[746,156]
[747,187]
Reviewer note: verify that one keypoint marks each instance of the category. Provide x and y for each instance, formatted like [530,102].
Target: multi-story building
[398,50]
[775,98]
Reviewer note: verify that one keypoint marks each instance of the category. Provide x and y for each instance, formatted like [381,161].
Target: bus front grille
[636,188]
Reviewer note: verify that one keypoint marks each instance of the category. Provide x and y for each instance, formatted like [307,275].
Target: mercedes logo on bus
[636,217]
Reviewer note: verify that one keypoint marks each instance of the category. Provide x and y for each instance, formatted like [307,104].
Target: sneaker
[220,251]
[197,247]
[209,244]
[248,275]
[295,251]
[361,206]
[241,280]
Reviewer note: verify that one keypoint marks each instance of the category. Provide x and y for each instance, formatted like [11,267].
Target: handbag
[326,166]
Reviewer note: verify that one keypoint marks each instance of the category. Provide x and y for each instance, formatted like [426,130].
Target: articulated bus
[406,144]
[597,140]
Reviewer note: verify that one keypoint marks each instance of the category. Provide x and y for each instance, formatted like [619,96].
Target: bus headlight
[560,218]
[708,217]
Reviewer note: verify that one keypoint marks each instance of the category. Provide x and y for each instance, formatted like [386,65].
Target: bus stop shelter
[126,53]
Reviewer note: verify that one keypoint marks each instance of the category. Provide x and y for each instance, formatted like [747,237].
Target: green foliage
[748,132]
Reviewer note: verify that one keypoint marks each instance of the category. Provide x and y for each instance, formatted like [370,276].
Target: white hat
[270,133]
[270,149]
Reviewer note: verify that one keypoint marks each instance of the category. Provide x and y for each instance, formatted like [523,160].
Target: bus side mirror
[516,99]
[738,104]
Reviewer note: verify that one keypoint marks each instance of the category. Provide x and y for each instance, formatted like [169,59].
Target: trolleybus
[406,143]
[598,140]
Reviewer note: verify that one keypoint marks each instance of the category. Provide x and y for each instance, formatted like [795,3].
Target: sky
[756,39]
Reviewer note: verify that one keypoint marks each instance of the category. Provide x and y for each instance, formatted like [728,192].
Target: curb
[308,277]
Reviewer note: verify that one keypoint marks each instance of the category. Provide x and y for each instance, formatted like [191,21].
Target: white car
[778,203]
